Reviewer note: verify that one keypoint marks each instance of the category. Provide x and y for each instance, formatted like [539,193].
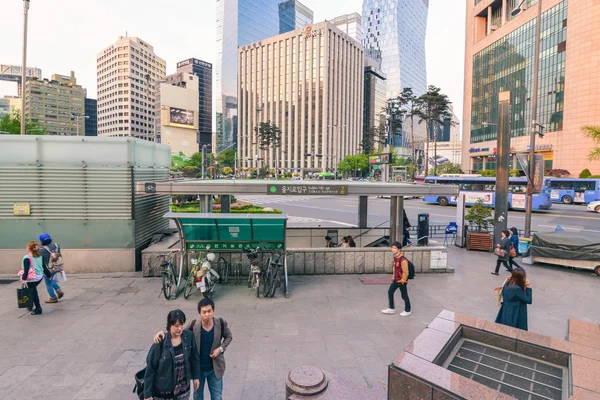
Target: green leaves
[593,132]
[359,162]
[11,123]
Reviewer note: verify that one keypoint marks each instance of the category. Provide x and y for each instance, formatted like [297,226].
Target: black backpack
[411,268]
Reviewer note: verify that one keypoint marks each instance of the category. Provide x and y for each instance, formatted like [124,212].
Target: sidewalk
[90,345]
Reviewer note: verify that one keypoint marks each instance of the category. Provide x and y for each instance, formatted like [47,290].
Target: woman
[172,363]
[503,245]
[344,242]
[350,241]
[33,259]
[516,294]
[514,244]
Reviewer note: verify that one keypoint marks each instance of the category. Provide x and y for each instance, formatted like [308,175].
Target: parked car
[594,206]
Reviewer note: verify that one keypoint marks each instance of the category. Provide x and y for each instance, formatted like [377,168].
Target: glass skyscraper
[395,31]
[294,15]
[239,22]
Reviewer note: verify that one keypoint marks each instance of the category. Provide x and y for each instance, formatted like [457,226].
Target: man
[329,242]
[405,231]
[51,286]
[212,338]
[399,281]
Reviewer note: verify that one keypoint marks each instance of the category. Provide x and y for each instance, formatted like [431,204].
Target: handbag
[513,252]
[25,297]
[139,383]
[31,273]
[500,252]
[498,294]
[60,276]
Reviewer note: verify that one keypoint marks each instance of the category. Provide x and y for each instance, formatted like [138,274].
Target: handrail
[370,229]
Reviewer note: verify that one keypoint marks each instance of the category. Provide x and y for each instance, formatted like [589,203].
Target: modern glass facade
[294,15]
[508,64]
[91,111]
[374,101]
[396,29]
[351,25]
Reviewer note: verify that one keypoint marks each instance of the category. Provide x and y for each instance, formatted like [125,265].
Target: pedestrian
[212,336]
[399,281]
[516,294]
[350,241]
[344,242]
[34,260]
[503,252]
[405,229]
[48,248]
[329,242]
[514,244]
[172,363]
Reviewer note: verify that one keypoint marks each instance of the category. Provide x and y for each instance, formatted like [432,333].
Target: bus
[484,188]
[569,191]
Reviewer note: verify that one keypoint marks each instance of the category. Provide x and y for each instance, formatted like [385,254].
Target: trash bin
[524,244]
[423,230]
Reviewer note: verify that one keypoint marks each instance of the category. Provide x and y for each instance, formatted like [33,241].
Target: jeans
[501,261]
[36,296]
[512,263]
[51,287]
[403,291]
[215,386]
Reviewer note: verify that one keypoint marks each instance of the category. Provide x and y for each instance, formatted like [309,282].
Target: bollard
[305,381]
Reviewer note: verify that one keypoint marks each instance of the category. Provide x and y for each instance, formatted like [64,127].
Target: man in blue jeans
[212,338]
[51,286]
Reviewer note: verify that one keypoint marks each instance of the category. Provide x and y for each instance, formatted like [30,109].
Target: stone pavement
[90,344]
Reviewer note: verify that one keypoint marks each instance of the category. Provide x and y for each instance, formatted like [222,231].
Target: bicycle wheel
[223,268]
[276,282]
[189,285]
[168,283]
[267,281]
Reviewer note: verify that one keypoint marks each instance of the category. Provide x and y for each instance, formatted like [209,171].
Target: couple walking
[507,250]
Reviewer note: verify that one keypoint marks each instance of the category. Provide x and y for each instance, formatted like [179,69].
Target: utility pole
[147,106]
[24,64]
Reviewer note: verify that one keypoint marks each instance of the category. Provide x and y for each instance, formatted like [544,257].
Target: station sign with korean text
[308,190]
[384,158]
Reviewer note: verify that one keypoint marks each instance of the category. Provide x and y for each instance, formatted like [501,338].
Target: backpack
[411,268]
[56,262]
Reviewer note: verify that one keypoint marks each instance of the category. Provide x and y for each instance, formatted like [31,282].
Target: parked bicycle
[202,275]
[223,269]
[254,276]
[273,272]
[167,272]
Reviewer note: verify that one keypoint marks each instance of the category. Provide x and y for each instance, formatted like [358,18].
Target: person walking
[344,242]
[350,241]
[54,291]
[34,260]
[503,252]
[399,281]
[329,242]
[514,244]
[405,229]
[516,294]
[212,336]
[172,364]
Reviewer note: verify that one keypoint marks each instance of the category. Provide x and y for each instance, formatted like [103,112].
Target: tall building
[57,104]
[312,90]
[395,31]
[294,15]
[203,71]
[351,25]
[177,113]
[4,107]
[91,120]
[239,22]
[447,147]
[127,72]
[375,100]
[500,51]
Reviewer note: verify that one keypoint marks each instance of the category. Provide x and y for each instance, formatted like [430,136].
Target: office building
[447,147]
[57,104]
[239,22]
[312,90]
[203,71]
[91,120]
[294,15]
[4,107]
[500,51]
[12,73]
[374,103]
[351,25]
[395,31]
[177,113]
[127,72]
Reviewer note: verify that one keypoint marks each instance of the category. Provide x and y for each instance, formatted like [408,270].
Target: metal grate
[520,377]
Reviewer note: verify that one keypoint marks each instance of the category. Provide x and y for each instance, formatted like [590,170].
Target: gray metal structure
[502,167]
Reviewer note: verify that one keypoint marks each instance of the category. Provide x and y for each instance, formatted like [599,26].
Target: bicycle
[167,272]
[223,270]
[272,273]
[191,279]
[202,276]
[254,276]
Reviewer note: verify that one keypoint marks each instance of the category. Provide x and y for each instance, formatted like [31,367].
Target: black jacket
[160,364]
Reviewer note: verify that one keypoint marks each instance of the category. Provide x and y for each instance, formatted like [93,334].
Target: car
[594,206]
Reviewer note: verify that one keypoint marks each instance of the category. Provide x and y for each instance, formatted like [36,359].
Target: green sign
[309,190]
[233,246]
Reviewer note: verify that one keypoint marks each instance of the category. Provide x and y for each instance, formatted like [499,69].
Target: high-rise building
[91,114]
[294,15]
[239,22]
[312,90]
[500,56]
[127,72]
[4,107]
[351,25]
[57,104]
[374,103]
[203,71]
[177,113]
[395,31]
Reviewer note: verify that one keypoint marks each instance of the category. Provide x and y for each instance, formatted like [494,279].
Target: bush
[585,173]
[189,172]
[514,173]
[488,172]
[594,176]
[480,216]
[558,173]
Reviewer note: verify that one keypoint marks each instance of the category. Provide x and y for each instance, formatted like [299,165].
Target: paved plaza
[90,345]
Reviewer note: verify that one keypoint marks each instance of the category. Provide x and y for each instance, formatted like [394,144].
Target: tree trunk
[412,139]
[428,126]
[435,151]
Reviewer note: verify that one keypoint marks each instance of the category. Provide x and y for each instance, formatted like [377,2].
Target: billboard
[385,158]
[181,118]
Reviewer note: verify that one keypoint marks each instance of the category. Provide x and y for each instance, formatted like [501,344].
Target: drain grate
[510,373]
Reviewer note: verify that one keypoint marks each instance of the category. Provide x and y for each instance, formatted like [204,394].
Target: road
[330,211]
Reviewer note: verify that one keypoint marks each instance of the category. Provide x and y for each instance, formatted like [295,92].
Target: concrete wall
[315,237]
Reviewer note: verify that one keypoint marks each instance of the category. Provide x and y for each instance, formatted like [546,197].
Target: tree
[557,173]
[585,173]
[412,108]
[268,135]
[433,109]
[373,139]
[449,168]
[353,163]
[11,123]
[226,158]
[190,171]
[480,216]
[196,160]
[227,170]
[593,132]
[489,173]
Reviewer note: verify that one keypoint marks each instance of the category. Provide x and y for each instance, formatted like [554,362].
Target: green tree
[489,173]
[226,158]
[269,136]
[480,216]
[585,173]
[11,123]
[354,163]
[190,171]
[412,108]
[449,168]
[227,170]
[196,160]
[593,132]
[373,139]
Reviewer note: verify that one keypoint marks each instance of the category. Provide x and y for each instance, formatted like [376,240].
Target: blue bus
[569,191]
[484,188]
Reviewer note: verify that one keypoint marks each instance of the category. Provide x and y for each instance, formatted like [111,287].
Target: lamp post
[24,64]
[77,117]
[534,124]
[258,158]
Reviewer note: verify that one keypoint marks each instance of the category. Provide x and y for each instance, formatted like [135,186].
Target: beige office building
[500,50]
[127,75]
[177,113]
[308,82]
[57,104]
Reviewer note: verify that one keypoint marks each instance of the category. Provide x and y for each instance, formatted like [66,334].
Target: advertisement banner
[384,158]
[472,197]
[554,195]
[181,118]
[579,197]
[518,201]
[538,177]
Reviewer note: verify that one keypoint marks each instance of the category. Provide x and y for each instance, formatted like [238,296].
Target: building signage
[540,147]
[308,190]
[310,32]
[384,158]
[233,245]
[150,187]
[478,149]
[194,62]
[181,118]
[22,209]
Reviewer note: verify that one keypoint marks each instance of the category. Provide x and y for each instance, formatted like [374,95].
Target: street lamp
[534,124]
[24,64]
[77,117]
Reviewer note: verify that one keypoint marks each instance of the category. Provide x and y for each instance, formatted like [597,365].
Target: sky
[66,35]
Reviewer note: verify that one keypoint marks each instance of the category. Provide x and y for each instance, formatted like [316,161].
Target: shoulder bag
[498,293]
